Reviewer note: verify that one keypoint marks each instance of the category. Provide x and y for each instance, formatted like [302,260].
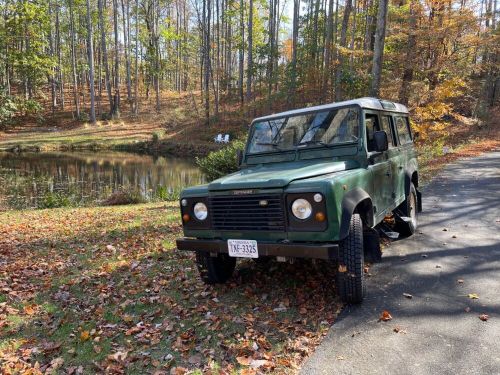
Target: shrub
[54,200]
[8,109]
[165,194]
[122,197]
[222,162]
[156,136]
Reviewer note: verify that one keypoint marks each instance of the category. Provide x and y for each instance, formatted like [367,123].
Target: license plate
[243,248]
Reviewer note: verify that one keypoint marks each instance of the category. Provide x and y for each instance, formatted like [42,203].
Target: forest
[92,60]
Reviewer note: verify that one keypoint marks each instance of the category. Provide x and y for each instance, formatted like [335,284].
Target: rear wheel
[215,270]
[350,275]
[407,224]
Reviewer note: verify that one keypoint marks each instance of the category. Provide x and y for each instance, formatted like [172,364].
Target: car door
[393,155]
[402,129]
[379,166]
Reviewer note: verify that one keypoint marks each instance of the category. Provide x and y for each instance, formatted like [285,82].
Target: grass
[104,288]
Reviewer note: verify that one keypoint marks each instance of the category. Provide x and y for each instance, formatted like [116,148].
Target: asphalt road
[456,252]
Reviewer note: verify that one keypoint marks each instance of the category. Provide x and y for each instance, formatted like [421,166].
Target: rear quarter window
[403,129]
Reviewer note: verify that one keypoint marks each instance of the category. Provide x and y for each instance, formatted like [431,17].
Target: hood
[275,175]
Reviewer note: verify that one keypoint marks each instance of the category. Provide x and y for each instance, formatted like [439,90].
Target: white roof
[369,103]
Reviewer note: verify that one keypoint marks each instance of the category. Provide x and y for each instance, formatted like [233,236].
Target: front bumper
[280,249]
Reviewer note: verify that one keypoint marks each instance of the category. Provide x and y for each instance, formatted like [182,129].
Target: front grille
[237,212]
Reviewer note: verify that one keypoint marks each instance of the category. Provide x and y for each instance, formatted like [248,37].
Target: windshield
[324,128]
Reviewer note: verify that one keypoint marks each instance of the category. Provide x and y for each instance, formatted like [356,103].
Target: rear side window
[386,126]
[403,130]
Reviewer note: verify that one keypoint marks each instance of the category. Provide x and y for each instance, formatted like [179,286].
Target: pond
[45,180]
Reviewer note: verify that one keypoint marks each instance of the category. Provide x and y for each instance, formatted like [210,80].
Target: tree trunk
[242,50]
[90,51]
[328,48]
[73,61]
[340,57]
[411,45]
[126,44]
[250,47]
[378,52]
[136,81]
[295,36]
[207,63]
[105,55]
[116,99]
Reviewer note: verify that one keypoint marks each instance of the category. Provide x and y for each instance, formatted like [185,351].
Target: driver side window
[372,125]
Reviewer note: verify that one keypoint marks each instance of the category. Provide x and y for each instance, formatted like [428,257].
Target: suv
[313,183]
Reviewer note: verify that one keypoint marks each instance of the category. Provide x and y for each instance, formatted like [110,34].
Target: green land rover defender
[312,183]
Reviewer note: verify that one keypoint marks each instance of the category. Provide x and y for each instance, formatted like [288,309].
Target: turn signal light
[320,216]
[185,218]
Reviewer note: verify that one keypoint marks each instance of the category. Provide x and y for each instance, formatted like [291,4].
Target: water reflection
[87,177]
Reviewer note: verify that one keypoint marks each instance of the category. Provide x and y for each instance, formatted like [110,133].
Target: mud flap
[419,200]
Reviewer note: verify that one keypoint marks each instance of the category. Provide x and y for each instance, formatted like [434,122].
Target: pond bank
[150,138]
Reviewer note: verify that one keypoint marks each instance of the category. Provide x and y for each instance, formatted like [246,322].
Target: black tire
[409,208]
[371,244]
[215,270]
[350,274]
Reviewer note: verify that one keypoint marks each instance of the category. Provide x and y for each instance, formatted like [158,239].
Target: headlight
[200,211]
[301,208]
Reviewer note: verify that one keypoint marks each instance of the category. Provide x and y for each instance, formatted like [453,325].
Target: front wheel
[350,274]
[215,270]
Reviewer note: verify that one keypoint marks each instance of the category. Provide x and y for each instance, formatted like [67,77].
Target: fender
[408,181]
[351,200]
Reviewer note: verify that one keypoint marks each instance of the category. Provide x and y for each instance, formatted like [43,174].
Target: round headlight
[318,197]
[200,211]
[301,208]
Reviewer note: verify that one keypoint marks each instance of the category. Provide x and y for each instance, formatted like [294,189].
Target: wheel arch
[355,201]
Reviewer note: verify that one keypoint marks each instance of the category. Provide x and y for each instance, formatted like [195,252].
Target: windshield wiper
[313,142]
[267,144]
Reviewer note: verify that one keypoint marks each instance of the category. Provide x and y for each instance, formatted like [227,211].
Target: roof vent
[387,104]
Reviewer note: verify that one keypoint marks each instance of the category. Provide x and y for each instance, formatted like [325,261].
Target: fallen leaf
[460,281]
[473,296]
[119,356]
[178,371]
[467,309]
[84,335]
[398,329]
[194,359]
[256,363]
[385,316]
[245,361]
[484,317]
[408,295]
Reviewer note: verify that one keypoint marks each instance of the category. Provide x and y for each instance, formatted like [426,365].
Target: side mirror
[381,141]
[239,157]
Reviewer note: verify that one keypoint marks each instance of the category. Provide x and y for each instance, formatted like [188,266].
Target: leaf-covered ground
[103,290]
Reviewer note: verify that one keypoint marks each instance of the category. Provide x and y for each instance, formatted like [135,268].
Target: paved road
[441,336]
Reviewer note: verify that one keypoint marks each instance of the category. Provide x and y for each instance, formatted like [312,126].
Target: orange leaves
[385,316]
[245,361]
[30,309]
[84,335]
[484,317]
